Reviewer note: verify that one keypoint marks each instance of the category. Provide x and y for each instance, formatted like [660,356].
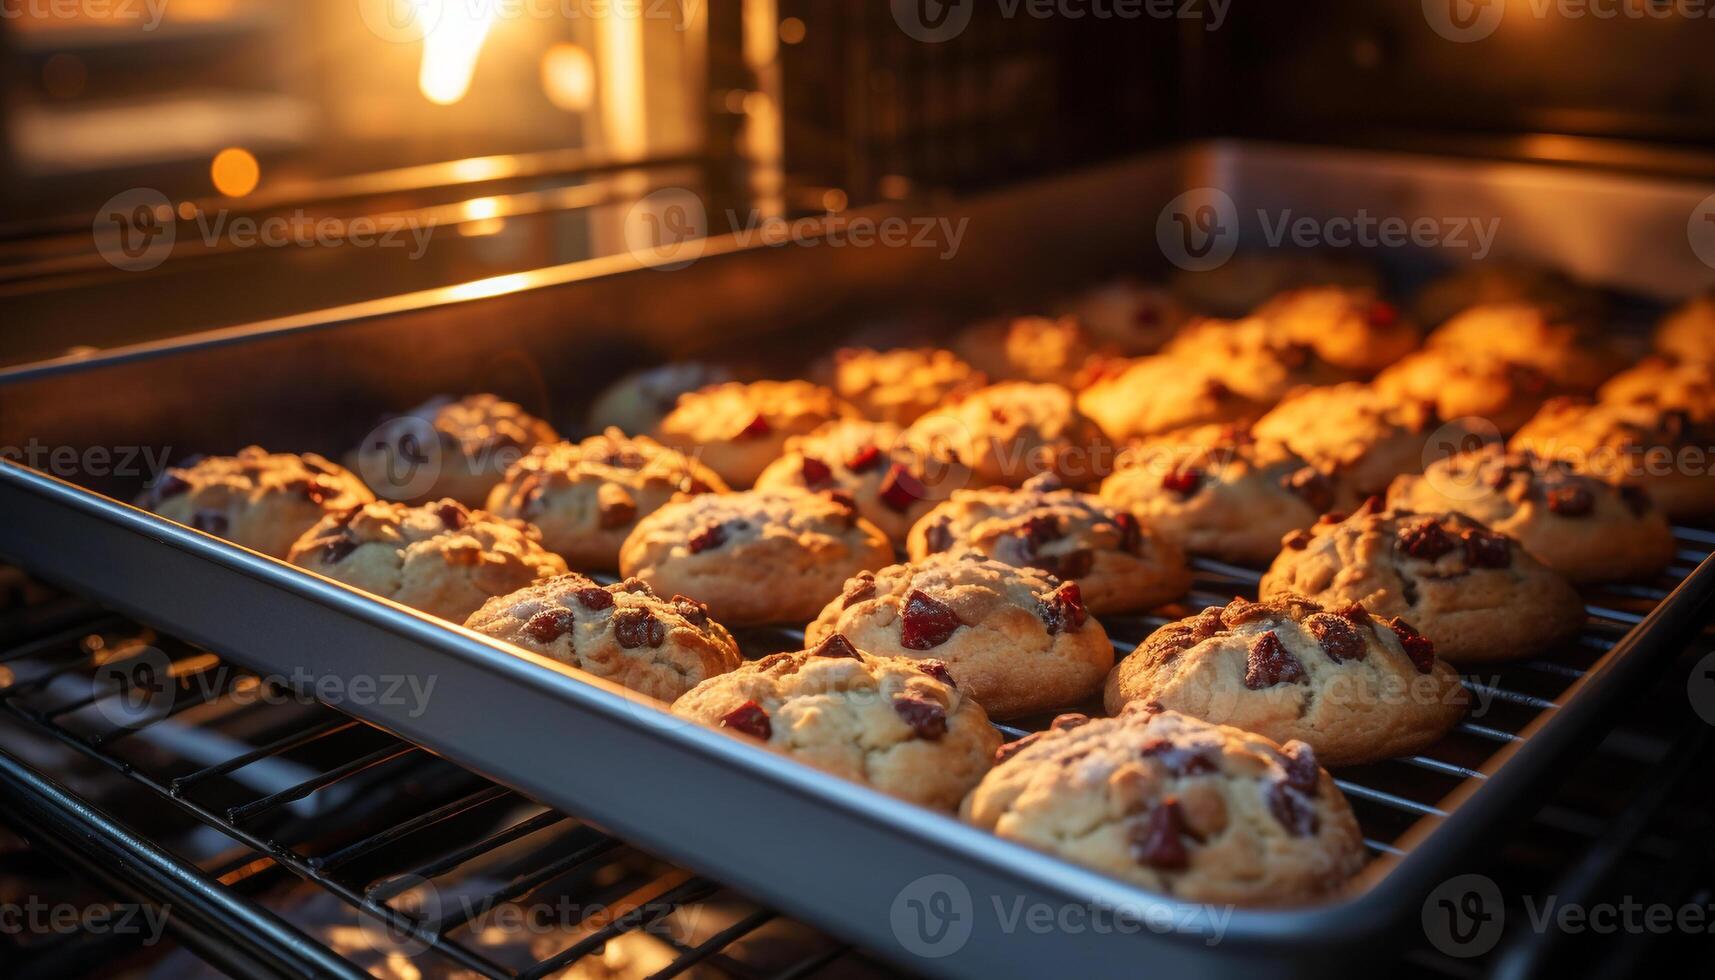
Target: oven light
[451,46]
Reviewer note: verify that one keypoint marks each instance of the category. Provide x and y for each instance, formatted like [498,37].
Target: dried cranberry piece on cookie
[927,622]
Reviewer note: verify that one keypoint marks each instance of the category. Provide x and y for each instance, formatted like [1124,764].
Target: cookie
[1688,333]
[1018,640]
[447,447]
[1340,680]
[1149,396]
[891,723]
[1247,280]
[1354,435]
[1474,593]
[636,403]
[1120,564]
[892,485]
[900,386]
[1027,348]
[737,429]
[441,558]
[585,497]
[1667,454]
[1584,528]
[761,556]
[1132,318]
[1201,812]
[1251,358]
[1486,283]
[1352,329]
[1686,386]
[1231,498]
[623,633]
[1009,432]
[1572,354]
[260,500]
[1467,386]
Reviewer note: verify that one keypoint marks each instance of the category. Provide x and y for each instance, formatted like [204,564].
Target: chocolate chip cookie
[1252,358]
[260,500]
[1354,435]
[1341,680]
[1232,498]
[1027,348]
[761,556]
[585,497]
[1131,317]
[447,447]
[1462,385]
[442,558]
[737,429]
[1572,354]
[897,725]
[1248,279]
[1584,528]
[1688,333]
[1149,396]
[1205,813]
[1352,329]
[1121,564]
[1685,386]
[1668,454]
[1487,283]
[636,403]
[892,485]
[1010,432]
[1018,640]
[1474,593]
[901,385]
[623,633]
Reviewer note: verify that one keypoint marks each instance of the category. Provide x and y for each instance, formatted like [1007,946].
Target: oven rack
[79,638]
[1394,799]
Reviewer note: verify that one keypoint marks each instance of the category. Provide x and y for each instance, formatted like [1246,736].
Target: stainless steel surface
[774,821]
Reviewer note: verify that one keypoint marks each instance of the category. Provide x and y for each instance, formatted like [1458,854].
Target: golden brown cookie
[1352,329]
[1121,564]
[1205,813]
[1131,317]
[892,485]
[1469,387]
[1474,593]
[1688,333]
[901,385]
[1359,439]
[1027,348]
[636,403]
[1017,639]
[1488,283]
[1010,432]
[1150,396]
[260,500]
[736,429]
[1248,279]
[447,447]
[894,724]
[1340,679]
[1686,386]
[1572,354]
[1667,454]
[1252,358]
[1584,528]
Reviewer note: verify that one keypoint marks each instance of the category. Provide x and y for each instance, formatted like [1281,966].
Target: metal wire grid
[1390,798]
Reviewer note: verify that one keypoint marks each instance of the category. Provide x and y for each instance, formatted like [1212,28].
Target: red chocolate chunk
[1356,614]
[1040,530]
[1338,637]
[1486,549]
[693,611]
[939,536]
[937,670]
[453,515]
[712,536]
[1011,749]
[1063,610]
[1417,646]
[1068,721]
[865,459]
[1297,540]
[1292,810]
[1073,564]
[816,472]
[899,489]
[1269,664]
[1131,534]
[1382,315]
[634,628]
[927,622]
[862,587]
[1313,487]
[1159,839]
[926,717]
[1570,500]
[594,598]
[756,428]
[1302,772]
[1425,540]
[549,625]
[1180,762]
[844,501]
[836,646]
[1182,482]
[1372,504]
[750,719]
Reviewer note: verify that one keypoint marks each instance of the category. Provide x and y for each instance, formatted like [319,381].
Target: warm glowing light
[622,110]
[484,288]
[451,46]
[792,30]
[481,216]
[568,77]
[235,172]
[833,199]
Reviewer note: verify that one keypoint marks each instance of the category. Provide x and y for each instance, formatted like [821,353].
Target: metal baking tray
[852,861]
